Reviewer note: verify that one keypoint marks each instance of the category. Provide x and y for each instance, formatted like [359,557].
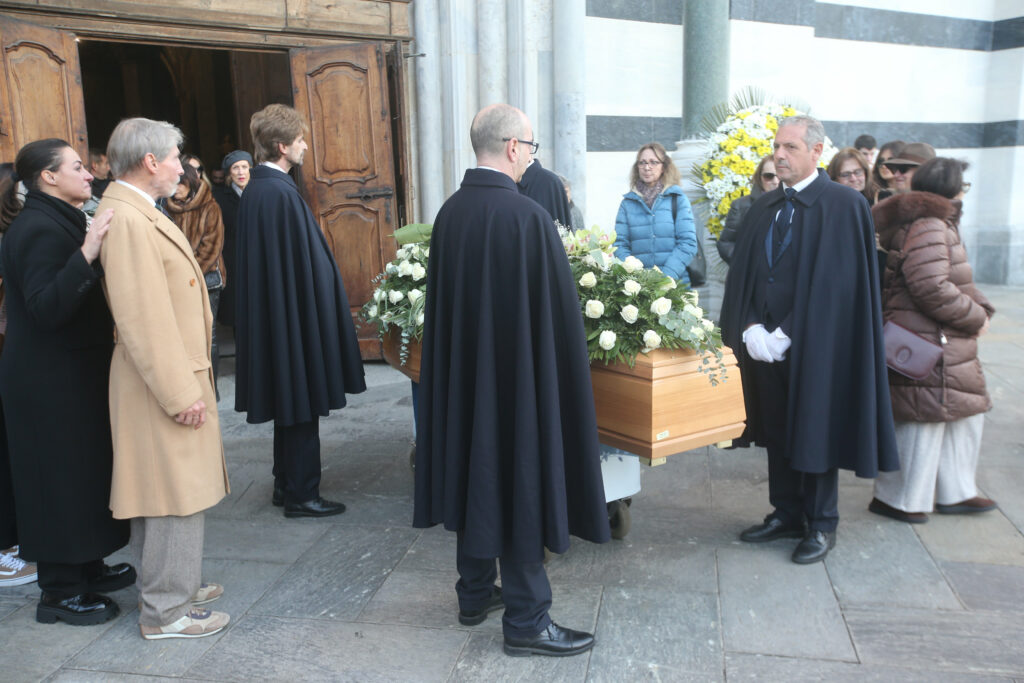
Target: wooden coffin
[391,342]
[663,405]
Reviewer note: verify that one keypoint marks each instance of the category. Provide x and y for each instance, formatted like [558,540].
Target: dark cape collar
[808,196]
[482,177]
[261,172]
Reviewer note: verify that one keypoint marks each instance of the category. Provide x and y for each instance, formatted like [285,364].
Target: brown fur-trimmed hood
[903,209]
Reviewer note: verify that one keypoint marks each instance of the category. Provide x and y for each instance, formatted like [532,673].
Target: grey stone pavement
[365,597]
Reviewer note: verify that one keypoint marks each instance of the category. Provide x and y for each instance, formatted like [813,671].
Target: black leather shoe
[477,616]
[770,529]
[278,499]
[113,578]
[81,610]
[318,507]
[814,547]
[554,641]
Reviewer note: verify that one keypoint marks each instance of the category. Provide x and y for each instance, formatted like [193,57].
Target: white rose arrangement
[628,309]
[400,291]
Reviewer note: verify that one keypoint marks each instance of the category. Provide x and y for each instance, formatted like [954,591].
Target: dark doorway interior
[209,94]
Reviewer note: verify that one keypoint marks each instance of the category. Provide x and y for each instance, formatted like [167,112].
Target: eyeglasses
[648,164]
[966,188]
[902,169]
[768,176]
[534,146]
[856,173]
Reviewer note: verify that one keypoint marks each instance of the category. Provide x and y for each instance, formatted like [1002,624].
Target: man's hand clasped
[766,346]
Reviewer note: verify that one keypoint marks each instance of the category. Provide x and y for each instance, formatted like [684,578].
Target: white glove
[756,339]
[778,343]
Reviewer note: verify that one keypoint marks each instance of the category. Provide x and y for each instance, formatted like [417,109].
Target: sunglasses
[901,168]
[768,176]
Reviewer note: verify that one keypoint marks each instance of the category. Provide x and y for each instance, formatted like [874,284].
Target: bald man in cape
[506,448]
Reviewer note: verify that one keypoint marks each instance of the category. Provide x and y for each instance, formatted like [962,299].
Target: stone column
[430,150]
[458,87]
[705,84]
[570,142]
[705,60]
[492,57]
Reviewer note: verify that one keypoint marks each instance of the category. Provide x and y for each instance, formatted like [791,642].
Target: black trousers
[796,496]
[297,461]
[525,590]
[8,516]
[66,580]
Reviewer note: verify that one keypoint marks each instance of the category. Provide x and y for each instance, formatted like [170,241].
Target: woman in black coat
[763,180]
[53,380]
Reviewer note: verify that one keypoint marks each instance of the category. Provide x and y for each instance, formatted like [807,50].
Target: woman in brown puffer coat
[196,212]
[929,289]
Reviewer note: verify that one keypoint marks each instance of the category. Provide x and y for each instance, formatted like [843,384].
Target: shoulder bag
[697,268]
[906,352]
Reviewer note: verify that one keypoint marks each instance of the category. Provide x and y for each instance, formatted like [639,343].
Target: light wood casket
[392,347]
[663,405]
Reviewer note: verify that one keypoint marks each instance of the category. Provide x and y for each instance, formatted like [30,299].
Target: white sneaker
[15,571]
[208,592]
[197,623]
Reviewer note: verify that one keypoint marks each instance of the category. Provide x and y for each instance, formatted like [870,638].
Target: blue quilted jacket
[649,235]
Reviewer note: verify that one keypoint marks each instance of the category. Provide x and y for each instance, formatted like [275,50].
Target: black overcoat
[54,373]
[227,199]
[506,439]
[839,414]
[296,351]
[546,188]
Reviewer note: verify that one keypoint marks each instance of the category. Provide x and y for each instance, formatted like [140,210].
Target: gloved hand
[756,339]
[778,343]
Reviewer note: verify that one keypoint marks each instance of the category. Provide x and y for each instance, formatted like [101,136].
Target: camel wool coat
[161,365]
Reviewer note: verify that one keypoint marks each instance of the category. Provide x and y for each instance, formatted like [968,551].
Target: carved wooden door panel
[348,173]
[40,88]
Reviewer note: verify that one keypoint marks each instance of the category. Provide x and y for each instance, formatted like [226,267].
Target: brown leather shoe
[976,504]
[886,510]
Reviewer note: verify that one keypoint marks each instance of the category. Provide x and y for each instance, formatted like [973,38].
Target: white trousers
[937,464]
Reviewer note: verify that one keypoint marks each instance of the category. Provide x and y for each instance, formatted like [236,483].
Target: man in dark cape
[804,273]
[296,349]
[507,453]
[546,188]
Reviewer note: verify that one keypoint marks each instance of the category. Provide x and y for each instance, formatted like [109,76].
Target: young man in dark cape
[296,349]
[506,448]
[546,188]
[823,402]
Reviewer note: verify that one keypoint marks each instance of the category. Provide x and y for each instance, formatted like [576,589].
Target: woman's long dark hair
[32,160]
[893,146]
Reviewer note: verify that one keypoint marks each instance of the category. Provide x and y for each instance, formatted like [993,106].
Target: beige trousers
[937,464]
[168,554]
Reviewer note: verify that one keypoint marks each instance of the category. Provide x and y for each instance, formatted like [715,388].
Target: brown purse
[908,353]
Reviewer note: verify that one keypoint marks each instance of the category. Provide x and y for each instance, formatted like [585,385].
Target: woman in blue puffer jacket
[645,227]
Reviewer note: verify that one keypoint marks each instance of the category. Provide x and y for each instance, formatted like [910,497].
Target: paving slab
[742,667]
[1005,485]
[884,563]
[433,550]
[628,563]
[987,586]
[484,660]
[122,650]
[41,649]
[336,577]
[69,675]
[983,537]
[648,632]
[934,640]
[261,540]
[772,606]
[278,649]
[10,606]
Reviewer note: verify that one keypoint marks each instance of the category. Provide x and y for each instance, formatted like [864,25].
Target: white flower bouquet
[399,295]
[629,309]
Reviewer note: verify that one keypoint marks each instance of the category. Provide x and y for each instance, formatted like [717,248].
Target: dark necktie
[784,218]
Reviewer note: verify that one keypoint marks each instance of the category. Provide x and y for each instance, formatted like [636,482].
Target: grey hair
[134,138]
[493,123]
[813,134]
